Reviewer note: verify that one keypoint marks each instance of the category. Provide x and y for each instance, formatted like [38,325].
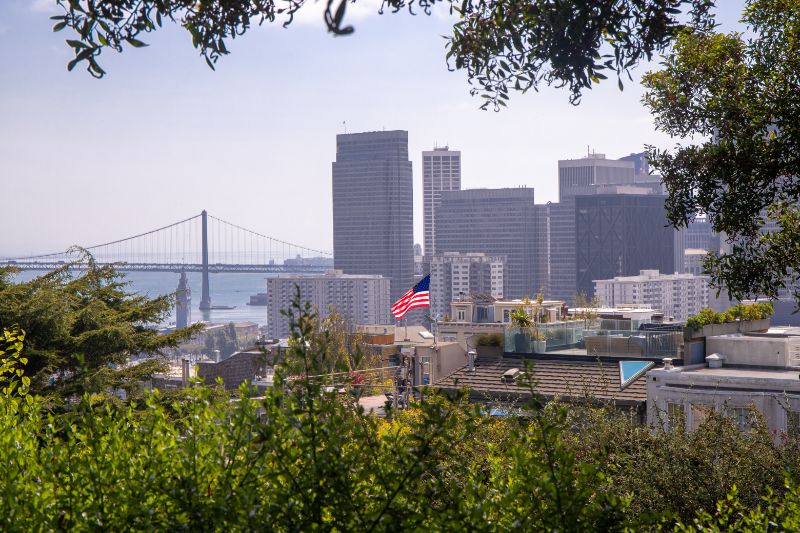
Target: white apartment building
[678,295]
[361,299]
[742,371]
[455,275]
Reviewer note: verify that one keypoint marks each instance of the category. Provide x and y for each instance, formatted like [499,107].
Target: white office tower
[441,171]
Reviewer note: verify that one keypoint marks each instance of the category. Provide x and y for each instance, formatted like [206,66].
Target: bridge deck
[185,267]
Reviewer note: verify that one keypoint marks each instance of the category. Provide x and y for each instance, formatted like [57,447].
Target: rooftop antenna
[344,123]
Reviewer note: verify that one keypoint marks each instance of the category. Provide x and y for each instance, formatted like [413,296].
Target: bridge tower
[205,297]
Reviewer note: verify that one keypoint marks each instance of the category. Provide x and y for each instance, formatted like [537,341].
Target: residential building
[569,379]
[416,348]
[620,235]
[677,295]
[496,222]
[441,171]
[742,371]
[455,275]
[478,314]
[373,226]
[360,299]
[245,366]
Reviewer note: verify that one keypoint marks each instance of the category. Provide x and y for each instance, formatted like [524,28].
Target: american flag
[418,296]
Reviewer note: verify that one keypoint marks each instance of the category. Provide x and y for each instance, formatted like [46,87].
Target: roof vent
[511,375]
[715,360]
[667,363]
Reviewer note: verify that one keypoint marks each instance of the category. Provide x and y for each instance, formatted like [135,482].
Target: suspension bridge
[201,243]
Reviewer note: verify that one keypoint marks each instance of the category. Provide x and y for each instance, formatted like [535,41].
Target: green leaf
[77,44]
[135,42]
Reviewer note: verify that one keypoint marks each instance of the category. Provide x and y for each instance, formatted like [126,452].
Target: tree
[502,44]
[82,326]
[738,98]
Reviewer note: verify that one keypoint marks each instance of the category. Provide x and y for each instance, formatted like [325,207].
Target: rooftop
[649,275]
[564,377]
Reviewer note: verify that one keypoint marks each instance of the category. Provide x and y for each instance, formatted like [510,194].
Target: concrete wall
[756,350]
[445,359]
[463,333]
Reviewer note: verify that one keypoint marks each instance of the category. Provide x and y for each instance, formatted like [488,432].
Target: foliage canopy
[502,45]
[82,326]
[736,97]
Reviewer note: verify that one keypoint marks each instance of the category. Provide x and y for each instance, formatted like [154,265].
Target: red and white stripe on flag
[410,300]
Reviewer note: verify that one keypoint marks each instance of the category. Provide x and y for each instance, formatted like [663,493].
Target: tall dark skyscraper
[373,224]
[619,235]
[495,222]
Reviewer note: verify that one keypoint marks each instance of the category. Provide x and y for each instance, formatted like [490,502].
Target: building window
[462,315]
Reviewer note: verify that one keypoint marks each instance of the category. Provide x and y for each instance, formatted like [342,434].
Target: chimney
[185,371]
[667,363]
[471,360]
[216,355]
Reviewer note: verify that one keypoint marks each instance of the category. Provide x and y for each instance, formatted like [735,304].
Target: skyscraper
[496,222]
[593,175]
[373,226]
[620,235]
[441,171]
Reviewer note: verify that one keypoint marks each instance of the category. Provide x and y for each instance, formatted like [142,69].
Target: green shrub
[754,311]
[490,339]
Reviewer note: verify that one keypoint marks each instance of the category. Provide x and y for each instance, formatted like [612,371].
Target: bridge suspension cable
[179,245]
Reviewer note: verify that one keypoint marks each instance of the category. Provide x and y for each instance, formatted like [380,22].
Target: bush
[490,339]
[301,459]
[754,311]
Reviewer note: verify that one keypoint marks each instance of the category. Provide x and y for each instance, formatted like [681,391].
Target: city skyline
[251,156]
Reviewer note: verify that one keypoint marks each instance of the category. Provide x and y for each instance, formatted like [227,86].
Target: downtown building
[678,296]
[360,299]
[441,171]
[456,276]
[610,221]
[495,222]
[373,226]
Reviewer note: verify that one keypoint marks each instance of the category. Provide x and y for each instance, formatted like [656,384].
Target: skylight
[630,371]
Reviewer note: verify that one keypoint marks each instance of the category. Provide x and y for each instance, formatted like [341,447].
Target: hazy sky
[85,161]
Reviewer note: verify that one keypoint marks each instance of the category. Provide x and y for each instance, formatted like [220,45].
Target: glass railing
[588,335]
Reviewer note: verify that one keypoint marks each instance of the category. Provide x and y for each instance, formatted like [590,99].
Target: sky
[162,136]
